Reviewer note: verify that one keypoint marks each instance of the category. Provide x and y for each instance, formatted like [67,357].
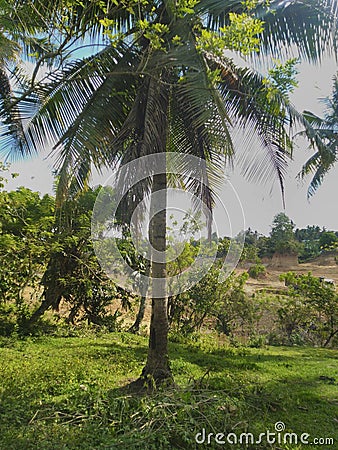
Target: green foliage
[282,238]
[310,309]
[309,238]
[250,253]
[224,306]
[223,247]
[67,392]
[55,257]
[26,225]
[281,78]
[328,240]
[257,271]
[241,35]
[154,33]
[184,7]
[73,273]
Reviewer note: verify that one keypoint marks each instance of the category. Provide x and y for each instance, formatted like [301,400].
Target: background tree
[328,240]
[282,237]
[311,308]
[73,274]
[309,238]
[26,228]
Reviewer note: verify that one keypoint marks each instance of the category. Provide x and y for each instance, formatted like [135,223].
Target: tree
[323,134]
[282,237]
[73,273]
[26,225]
[328,240]
[309,238]
[312,307]
[162,82]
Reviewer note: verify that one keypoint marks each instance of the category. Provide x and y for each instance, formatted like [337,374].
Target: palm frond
[198,130]
[323,136]
[309,26]
[13,135]
[143,133]
[82,109]
[265,115]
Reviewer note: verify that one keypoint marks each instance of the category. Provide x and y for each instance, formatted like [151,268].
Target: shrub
[310,312]
[257,271]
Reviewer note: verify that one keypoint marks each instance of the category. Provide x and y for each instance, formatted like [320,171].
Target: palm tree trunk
[157,367]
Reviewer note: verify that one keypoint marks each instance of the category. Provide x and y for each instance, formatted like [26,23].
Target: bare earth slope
[318,268]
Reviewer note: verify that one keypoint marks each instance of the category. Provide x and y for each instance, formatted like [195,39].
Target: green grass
[65,393]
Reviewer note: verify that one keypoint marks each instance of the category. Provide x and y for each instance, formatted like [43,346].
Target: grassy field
[67,393]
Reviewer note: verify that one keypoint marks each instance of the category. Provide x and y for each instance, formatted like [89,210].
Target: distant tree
[328,240]
[282,237]
[251,237]
[309,238]
[265,248]
[310,233]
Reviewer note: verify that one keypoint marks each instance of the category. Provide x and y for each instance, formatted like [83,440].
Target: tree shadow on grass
[231,381]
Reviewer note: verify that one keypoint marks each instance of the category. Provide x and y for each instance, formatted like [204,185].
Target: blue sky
[260,202]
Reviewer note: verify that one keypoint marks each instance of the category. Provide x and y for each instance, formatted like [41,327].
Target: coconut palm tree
[323,135]
[163,83]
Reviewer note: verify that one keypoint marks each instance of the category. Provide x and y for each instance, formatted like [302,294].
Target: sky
[259,203]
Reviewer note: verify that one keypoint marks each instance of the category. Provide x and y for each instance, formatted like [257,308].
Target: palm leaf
[310,26]
[13,134]
[248,103]
[323,136]
[82,110]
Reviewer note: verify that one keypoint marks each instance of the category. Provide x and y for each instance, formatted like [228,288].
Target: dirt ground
[318,268]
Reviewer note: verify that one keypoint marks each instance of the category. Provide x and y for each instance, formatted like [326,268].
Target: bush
[309,314]
[257,271]
[7,319]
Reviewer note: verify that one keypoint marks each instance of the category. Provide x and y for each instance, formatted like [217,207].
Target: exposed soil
[319,268]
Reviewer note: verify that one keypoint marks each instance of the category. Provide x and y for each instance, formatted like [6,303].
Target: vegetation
[67,391]
[54,266]
[311,310]
[257,271]
[178,92]
[160,79]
